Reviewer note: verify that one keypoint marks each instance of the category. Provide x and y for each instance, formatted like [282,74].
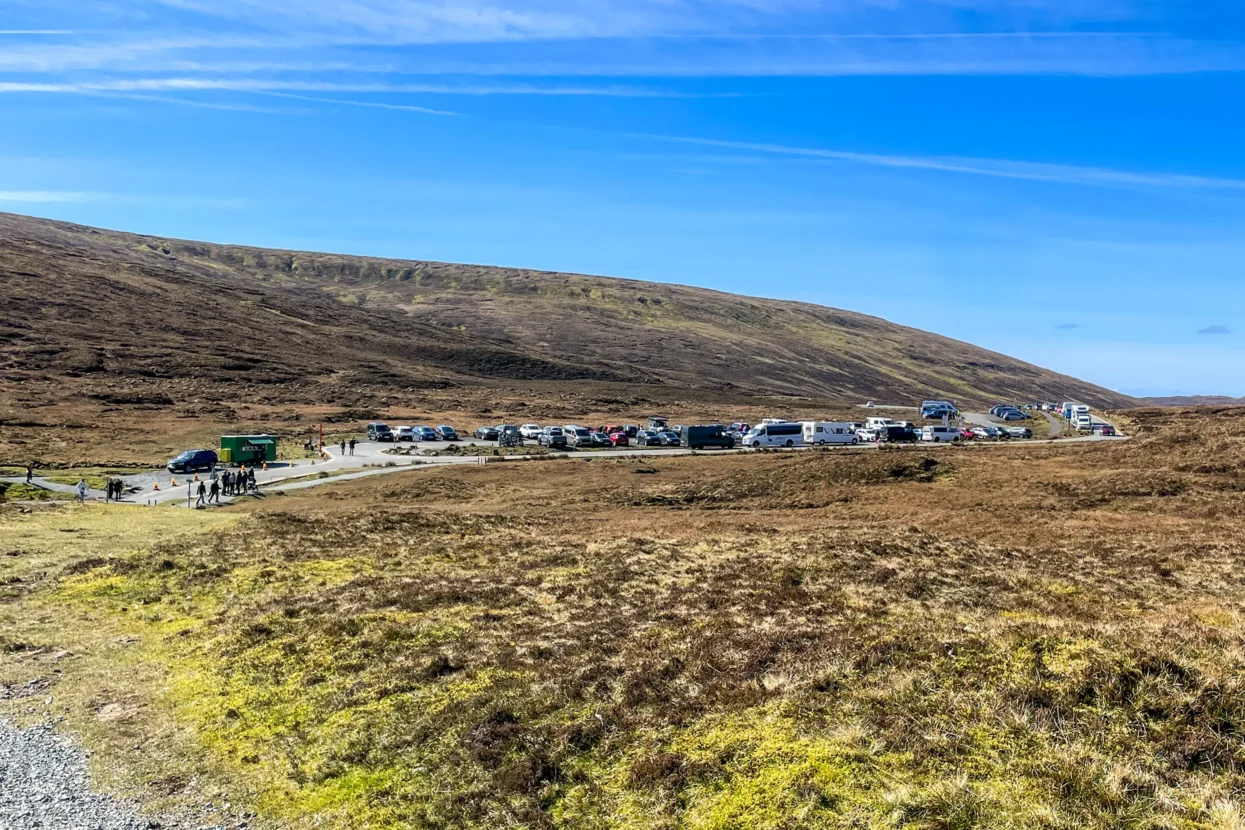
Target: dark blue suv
[192,461]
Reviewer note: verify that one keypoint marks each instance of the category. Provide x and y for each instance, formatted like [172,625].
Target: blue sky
[1060,181]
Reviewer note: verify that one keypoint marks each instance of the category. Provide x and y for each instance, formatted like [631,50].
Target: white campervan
[821,433]
[879,424]
[775,435]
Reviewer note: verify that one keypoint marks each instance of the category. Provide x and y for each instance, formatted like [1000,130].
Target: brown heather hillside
[99,328]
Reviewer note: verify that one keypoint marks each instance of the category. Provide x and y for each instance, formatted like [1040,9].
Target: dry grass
[1015,637]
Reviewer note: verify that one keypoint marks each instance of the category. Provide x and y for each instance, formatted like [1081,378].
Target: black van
[700,437]
[379,432]
[898,435]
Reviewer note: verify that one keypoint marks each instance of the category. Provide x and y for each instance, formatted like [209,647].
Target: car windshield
[186,455]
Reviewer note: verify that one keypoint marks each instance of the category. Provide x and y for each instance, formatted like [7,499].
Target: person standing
[80,491]
[342,446]
[202,493]
[250,479]
[214,492]
[352,443]
[30,474]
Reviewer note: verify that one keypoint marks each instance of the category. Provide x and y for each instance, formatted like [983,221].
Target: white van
[878,424]
[775,435]
[769,421]
[940,435]
[828,432]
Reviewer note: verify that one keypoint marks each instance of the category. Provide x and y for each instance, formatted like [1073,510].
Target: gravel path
[45,785]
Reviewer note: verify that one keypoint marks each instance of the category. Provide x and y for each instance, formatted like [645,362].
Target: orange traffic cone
[173,483]
[265,466]
[196,476]
[155,486]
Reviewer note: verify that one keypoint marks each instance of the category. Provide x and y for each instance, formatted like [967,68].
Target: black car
[647,438]
[487,433]
[192,461]
[379,432]
[447,433]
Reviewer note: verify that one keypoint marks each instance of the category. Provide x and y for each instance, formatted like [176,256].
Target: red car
[619,439]
[967,434]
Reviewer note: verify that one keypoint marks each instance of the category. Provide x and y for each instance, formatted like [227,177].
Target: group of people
[344,444]
[114,488]
[229,484]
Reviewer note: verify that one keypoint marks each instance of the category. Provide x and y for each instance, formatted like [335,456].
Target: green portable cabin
[248,449]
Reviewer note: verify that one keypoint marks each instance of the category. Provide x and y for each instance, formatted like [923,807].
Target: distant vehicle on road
[193,461]
[404,433]
[447,433]
[774,435]
[530,431]
[1104,429]
[486,433]
[426,434]
[1014,415]
[377,431]
[702,437]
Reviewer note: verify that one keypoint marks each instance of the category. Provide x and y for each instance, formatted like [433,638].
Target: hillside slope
[90,303]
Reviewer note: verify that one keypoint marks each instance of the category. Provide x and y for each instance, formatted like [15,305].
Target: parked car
[646,438]
[713,435]
[530,431]
[981,432]
[447,433]
[666,438]
[1014,415]
[866,436]
[656,424]
[940,435]
[620,439]
[632,430]
[1104,429]
[377,431]
[966,434]
[426,434]
[599,439]
[1020,432]
[403,433]
[577,436]
[193,461]
[552,437]
[486,433]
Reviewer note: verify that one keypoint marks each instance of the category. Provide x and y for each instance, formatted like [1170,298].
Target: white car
[866,436]
[530,431]
[404,433]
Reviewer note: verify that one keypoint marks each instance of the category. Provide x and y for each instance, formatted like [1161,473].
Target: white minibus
[775,435]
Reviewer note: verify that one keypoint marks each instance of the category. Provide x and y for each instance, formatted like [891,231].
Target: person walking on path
[118,488]
[352,443]
[80,491]
[214,492]
[202,500]
[342,447]
[30,474]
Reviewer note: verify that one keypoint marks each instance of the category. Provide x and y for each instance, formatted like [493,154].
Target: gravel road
[45,785]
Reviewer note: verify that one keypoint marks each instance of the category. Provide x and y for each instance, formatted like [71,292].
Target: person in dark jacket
[226,481]
[214,492]
[202,495]
[250,480]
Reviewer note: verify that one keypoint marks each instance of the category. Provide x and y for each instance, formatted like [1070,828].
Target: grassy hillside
[88,303]
[984,637]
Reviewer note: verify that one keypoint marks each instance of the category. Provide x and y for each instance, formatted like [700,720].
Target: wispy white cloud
[50,196]
[996,168]
[350,103]
[262,85]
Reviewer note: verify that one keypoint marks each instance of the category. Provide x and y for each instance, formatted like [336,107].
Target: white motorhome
[775,435]
[878,424]
[821,433]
